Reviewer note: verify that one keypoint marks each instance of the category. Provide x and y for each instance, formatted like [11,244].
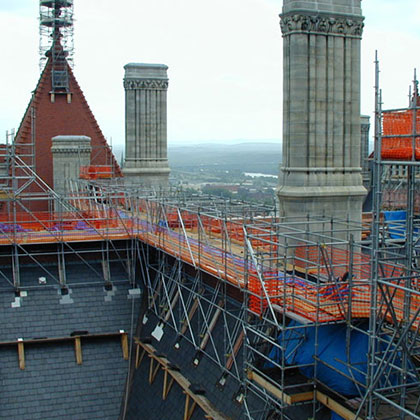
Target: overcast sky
[224,58]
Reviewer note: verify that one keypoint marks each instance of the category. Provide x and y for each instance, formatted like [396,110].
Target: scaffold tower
[394,374]
[56,40]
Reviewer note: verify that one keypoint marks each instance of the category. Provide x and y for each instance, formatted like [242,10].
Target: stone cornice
[70,149]
[156,84]
[325,24]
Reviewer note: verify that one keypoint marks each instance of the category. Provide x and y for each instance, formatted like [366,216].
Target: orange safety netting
[37,221]
[400,123]
[57,221]
[324,302]
[96,172]
[332,298]
[398,309]
[336,262]
[213,227]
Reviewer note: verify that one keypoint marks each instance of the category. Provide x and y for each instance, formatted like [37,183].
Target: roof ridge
[91,116]
[34,99]
[49,119]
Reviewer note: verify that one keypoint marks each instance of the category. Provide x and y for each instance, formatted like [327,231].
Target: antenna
[56,40]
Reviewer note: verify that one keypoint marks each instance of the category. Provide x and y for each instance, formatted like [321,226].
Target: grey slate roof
[146,400]
[52,385]
[46,313]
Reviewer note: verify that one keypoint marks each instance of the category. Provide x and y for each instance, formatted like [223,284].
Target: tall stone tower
[320,173]
[146,159]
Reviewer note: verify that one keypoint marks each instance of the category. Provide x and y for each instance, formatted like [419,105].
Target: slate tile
[43,387]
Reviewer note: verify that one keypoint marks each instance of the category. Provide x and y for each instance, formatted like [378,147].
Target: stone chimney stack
[146,159]
[69,154]
[321,173]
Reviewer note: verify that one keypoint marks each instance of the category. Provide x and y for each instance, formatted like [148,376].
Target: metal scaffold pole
[248,291]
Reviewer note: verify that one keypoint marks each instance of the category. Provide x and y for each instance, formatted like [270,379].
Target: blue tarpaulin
[338,369]
[396,230]
[299,347]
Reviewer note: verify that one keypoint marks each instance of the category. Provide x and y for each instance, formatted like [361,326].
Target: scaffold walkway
[311,283]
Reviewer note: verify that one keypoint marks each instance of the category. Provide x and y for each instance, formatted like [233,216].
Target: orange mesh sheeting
[329,299]
[310,260]
[399,123]
[315,302]
[37,221]
[398,299]
[57,221]
[96,172]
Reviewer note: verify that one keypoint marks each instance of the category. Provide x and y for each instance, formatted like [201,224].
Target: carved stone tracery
[338,25]
[146,84]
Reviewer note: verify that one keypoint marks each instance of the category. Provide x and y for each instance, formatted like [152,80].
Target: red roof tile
[61,118]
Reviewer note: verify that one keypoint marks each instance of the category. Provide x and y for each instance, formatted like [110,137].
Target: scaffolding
[56,40]
[394,322]
[306,280]
[400,144]
[375,285]
[209,264]
[217,268]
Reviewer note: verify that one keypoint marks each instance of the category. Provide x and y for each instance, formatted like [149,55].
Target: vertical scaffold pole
[377,191]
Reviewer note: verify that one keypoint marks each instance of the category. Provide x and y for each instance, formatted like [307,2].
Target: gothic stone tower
[146,160]
[320,173]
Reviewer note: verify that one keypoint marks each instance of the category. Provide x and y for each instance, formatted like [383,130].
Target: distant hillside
[245,157]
